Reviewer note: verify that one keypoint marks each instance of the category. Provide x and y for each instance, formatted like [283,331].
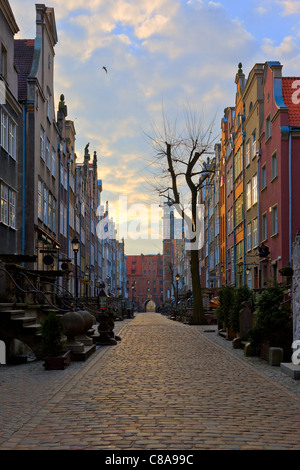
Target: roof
[24,49]
[291,96]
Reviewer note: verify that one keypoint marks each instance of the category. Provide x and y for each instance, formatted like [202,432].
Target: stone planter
[264,350]
[57,362]
[88,322]
[230,334]
[73,326]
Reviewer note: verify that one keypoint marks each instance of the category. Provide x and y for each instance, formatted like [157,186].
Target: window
[238,166]
[274,220]
[40,199]
[12,209]
[253,142]
[264,176]
[8,134]
[48,104]
[238,215]
[4,204]
[268,127]
[42,143]
[248,153]
[264,227]
[46,195]
[239,251]
[51,212]
[232,264]
[249,236]
[3,64]
[248,195]
[50,219]
[53,158]
[254,232]
[249,278]
[12,144]
[254,189]
[8,206]
[54,215]
[4,129]
[274,165]
[48,154]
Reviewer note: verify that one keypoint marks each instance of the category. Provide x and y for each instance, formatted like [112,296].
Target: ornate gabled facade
[39,170]
[10,114]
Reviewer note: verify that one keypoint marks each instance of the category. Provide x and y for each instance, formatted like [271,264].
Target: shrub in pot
[273,320]
[226,297]
[241,294]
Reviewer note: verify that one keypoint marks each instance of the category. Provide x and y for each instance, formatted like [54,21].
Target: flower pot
[57,362]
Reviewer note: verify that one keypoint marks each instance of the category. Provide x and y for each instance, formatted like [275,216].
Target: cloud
[158,52]
[290,7]
[261,10]
[287,48]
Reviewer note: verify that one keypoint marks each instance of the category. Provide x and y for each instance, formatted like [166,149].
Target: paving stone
[165,385]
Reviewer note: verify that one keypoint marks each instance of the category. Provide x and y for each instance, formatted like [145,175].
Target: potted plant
[241,294]
[273,322]
[226,298]
[287,273]
[54,357]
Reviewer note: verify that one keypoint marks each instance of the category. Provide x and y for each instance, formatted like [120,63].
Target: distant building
[145,279]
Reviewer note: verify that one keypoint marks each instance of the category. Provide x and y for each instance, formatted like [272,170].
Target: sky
[159,54]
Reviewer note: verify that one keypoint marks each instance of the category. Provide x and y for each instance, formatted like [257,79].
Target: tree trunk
[198,310]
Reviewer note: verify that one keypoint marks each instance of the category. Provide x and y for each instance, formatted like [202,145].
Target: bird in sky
[104,68]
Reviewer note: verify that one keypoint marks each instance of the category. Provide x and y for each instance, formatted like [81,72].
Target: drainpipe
[290,195]
[244,218]
[23,179]
[258,214]
[68,213]
[233,208]
[59,191]
[226,226]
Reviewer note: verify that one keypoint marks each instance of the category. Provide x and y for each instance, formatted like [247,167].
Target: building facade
[47,197]
[145,279]
[11,113]
[258,189]
[39,171]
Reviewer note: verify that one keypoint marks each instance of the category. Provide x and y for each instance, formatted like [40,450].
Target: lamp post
[75,246]
[86,278]
[177,280]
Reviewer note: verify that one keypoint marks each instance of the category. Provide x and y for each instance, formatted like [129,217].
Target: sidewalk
[165,386]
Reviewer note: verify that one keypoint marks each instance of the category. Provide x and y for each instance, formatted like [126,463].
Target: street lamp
[86,278]
[76,246]
[177,280]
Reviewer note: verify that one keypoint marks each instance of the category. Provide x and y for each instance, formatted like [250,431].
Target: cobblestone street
[165,386]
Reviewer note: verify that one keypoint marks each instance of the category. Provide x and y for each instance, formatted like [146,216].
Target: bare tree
[180,166]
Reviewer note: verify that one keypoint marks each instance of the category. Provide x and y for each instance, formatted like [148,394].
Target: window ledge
[274,179]
[274,235]
[268,139]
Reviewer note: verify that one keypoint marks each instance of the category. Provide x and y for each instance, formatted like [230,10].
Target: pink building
[279,168]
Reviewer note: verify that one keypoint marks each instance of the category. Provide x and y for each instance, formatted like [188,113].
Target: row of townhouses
[48,199]
[251,197]
[251,193]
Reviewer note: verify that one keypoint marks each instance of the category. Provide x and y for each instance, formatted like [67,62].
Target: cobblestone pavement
[165,386]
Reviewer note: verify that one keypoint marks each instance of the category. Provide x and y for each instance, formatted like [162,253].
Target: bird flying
[104,68]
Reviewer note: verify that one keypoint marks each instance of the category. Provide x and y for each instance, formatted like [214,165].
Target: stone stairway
[20,323]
